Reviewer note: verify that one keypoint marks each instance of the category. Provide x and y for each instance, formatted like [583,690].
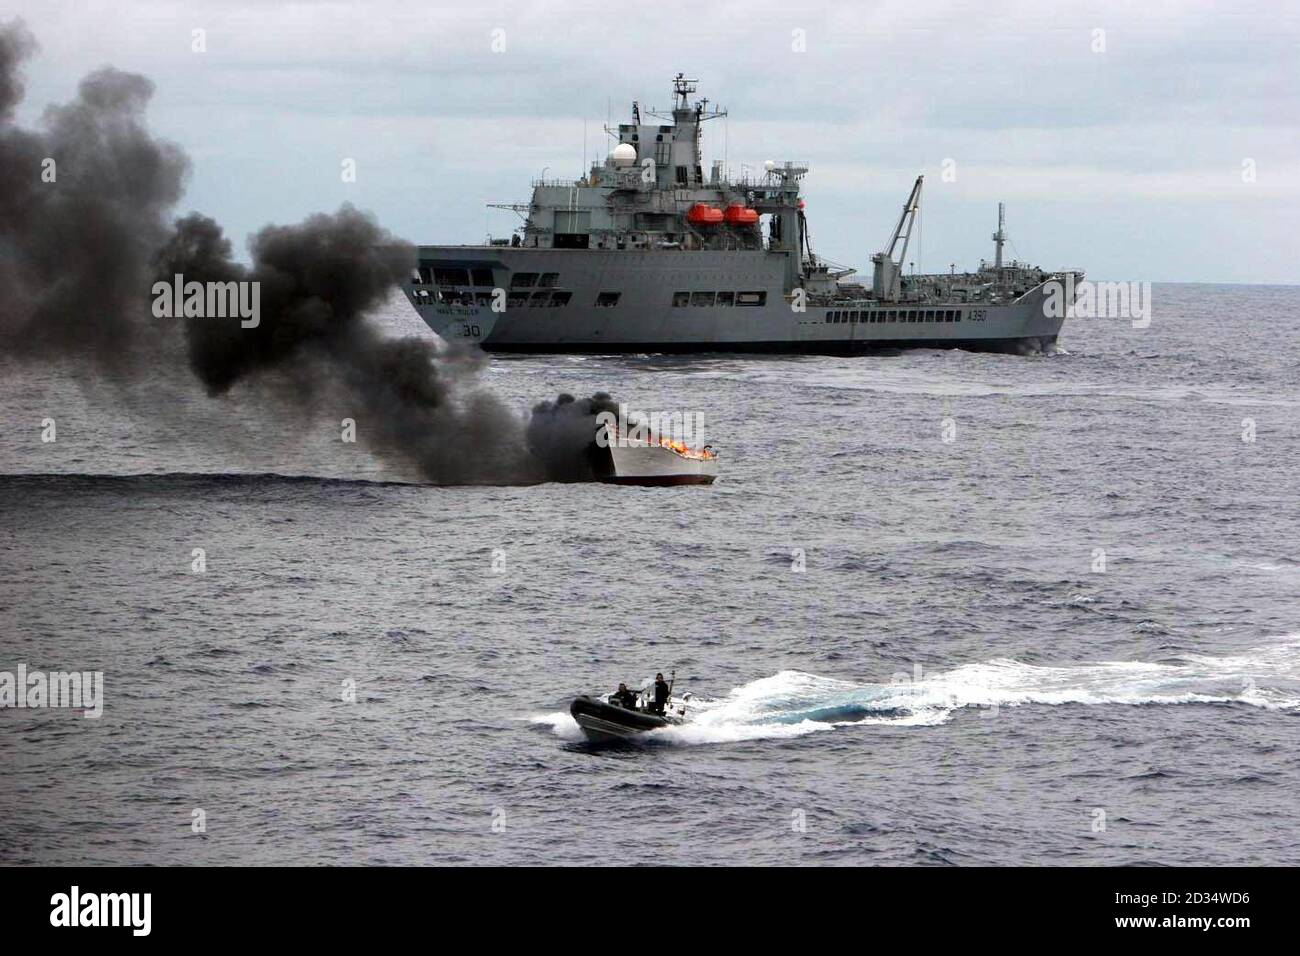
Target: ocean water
[1068,635]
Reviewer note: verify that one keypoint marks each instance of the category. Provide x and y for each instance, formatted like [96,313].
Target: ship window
[959,315]
[681,299]
[483,277]
[451,277]
[856,316]
[726,298]
[523,280]
[702,298]
[516,301]
[607,300]
[929,315]
[681,176]
[538,300]
[914,315]
[560,298]
[547,281]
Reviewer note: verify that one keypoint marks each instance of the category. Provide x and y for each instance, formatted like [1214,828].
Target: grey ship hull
[646,318]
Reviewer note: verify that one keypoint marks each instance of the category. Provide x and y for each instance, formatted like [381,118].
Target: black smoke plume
[85,233]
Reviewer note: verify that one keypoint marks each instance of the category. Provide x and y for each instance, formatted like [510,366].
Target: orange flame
[684,450]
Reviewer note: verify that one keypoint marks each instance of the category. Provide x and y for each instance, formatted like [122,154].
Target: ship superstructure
[647,253]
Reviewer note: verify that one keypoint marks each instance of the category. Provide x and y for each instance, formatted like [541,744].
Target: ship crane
[888,270]
[520,209]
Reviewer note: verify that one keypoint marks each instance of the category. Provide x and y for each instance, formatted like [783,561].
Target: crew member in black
[661,694]
[625,697]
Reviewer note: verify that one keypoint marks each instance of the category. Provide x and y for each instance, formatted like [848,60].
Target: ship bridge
[651,192]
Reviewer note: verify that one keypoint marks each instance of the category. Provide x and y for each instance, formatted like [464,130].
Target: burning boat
[623,460]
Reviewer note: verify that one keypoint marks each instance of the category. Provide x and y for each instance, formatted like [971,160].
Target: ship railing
[772,177]
[561,183]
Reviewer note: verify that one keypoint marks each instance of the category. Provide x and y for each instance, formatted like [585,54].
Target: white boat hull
[655,465]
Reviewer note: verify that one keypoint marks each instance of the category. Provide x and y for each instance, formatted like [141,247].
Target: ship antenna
[999,237]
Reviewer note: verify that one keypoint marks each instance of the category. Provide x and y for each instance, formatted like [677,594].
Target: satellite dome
[624,154]
[770,165]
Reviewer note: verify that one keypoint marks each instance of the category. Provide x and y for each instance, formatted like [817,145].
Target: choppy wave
[793,703]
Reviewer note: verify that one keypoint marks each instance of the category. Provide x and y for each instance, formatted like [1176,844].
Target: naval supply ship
[647,254]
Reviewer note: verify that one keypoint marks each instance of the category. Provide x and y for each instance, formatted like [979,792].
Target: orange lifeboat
[702,215]
[738,215]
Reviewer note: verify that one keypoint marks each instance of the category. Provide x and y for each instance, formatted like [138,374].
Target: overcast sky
[1126,161]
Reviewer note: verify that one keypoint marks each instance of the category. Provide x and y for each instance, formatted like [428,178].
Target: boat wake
[793,703]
